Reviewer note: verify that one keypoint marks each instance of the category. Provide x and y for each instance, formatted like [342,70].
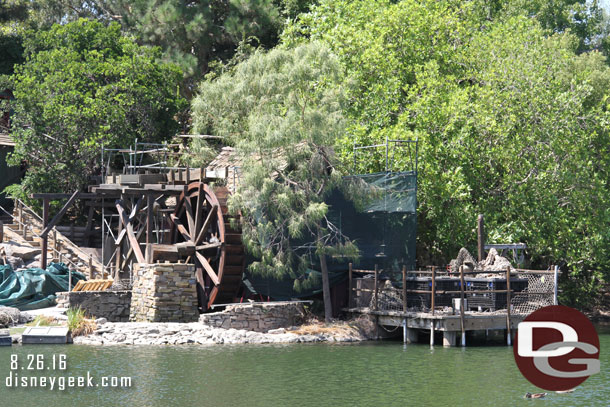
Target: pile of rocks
[141,333]
[259,317]
[20,256]
[164,292]
[12,316]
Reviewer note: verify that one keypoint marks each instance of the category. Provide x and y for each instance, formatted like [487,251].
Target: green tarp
[382,222]
[34,288]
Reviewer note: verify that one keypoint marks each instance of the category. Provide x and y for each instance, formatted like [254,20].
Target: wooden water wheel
[201,219]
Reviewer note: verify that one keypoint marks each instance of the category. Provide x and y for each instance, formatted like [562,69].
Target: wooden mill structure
[176,217]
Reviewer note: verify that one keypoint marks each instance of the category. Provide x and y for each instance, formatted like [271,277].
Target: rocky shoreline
[170,333]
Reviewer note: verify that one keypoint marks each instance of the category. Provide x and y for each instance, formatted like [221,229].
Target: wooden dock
[448,324]
[390,307]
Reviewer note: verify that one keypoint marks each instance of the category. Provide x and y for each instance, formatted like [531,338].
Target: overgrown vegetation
[78,324]
[43,320]
[509,100]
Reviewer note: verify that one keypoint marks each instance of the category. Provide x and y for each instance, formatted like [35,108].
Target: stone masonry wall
[112,305]
[164,292]
[259,317]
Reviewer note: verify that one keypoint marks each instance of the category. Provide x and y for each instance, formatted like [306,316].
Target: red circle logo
[557,348]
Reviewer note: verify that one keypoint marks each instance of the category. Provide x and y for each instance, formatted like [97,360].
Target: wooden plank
[190,218]
[78,285]
[198,209]
[433,294]
[462,306]
[208,268]
[480,238]
[180,227]
[351,286]
[209,246]
[404,288]
[149,227]
[206,224]
[130,234]
[45,238]
[59,214]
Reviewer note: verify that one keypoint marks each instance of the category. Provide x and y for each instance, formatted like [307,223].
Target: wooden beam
[209,246]
[180,227]
[149,227]
[130,234]
[198,208]
[45,238]
[56,196]
[480,238]
[208,268]
[59,214]
[206,224]
[189,211]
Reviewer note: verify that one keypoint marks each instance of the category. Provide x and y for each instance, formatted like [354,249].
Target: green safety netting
[34,288]
[380,217]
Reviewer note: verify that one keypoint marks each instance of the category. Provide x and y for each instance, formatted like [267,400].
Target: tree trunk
[328,307]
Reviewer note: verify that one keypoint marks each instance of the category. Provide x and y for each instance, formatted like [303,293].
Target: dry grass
[315,327]
[86,327]
[78,324]
[43,320]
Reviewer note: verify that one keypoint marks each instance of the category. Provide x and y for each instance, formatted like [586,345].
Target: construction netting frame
[379,215]
[378,212]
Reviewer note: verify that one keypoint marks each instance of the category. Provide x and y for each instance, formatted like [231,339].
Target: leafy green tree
[283,111]
[196,35]
[511,116]
[82,86]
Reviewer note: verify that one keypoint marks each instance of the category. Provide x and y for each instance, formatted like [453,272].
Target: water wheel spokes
[201,221]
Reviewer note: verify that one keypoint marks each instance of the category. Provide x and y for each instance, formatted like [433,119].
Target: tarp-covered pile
[34,288]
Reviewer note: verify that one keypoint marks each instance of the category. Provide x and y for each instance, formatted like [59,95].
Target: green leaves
[512,121]
[282,110]
[84,85]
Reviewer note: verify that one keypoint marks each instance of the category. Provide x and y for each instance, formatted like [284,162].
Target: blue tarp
[34,288]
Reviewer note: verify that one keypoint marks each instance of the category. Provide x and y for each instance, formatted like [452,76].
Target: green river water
[366,374]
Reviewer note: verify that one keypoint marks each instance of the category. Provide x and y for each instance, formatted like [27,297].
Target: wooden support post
[119,246]
[508,338]
[25,232]
[463,326]
[351,288]
[432,304]
[556,282]
[54,241]
[404,290]
[188,175]
[45,237]
[480,237]
[172,176]
[449,338]
[432,333]
[376,303]
[149,227]
[90,276]
[20,211]
[2,236]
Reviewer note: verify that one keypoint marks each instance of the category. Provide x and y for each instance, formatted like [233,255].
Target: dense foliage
[512,123]
[508,99]
[82,86]
[282,110]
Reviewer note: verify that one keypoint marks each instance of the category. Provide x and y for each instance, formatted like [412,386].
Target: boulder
[23,252]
